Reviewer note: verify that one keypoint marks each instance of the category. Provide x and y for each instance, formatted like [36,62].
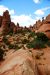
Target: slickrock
[18,63]
[24,62]
[43,63]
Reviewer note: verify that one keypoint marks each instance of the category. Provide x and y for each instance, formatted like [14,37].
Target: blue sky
[26,12]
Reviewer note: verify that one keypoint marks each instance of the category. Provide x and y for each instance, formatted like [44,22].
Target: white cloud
[3,8]
[36,1]
[41,11]
[37,18]
[23,20]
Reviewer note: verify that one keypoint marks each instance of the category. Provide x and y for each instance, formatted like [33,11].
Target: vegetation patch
[25,41]
[2,53]
[39,41]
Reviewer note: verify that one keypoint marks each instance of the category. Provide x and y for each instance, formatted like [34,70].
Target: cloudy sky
[26,12]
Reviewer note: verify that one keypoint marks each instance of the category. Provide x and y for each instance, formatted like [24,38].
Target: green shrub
[17,47]
[13,46]
[25,41]
[42,37]
[32,34]
[10,46]
[10,32]
[1,54]
[5,40]
[38,42]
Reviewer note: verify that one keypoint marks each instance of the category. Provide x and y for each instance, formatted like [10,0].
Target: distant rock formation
[6,25]
[37,25]
[5,21]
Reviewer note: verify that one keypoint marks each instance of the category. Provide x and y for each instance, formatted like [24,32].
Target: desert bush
[10,32]
[1,54]
[11,46]
[38,42]
[41,36]
[17,47]
[25,41]
[32,34]
[5,40]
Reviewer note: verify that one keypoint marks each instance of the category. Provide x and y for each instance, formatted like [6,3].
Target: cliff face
[43,26]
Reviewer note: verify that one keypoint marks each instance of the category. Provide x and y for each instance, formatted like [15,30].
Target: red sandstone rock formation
[5,22]
[37,25]
[6,19]
[6,25]
[45,27]
[0,21]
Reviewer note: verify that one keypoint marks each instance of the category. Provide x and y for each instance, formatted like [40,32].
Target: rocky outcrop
[5,21]
[37,25]
[0,20]
[6,25]
[18,63]
[44,27]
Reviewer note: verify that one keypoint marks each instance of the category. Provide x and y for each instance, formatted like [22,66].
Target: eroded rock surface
[18,63]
